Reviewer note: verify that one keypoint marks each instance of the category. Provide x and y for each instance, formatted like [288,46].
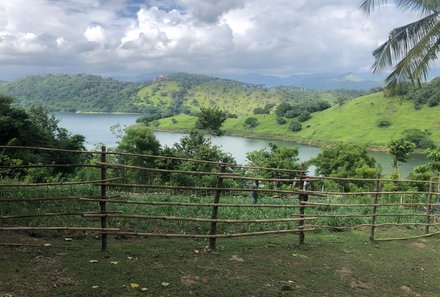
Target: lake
[96,129]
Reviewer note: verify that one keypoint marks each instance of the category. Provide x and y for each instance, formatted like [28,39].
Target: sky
[131,37]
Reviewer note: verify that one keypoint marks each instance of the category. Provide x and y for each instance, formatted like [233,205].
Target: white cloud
[116,36]
[94,33]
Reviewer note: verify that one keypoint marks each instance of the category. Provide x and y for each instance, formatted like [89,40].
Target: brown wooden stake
[214,213]
[301,198]
[376,199]
[102,204]
[428,206]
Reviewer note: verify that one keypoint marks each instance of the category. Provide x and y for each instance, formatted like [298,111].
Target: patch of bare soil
[419,245]
[347,275]
[189,280]
[408,291]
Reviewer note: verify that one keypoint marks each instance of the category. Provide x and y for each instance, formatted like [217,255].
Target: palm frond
[400,41]
[416,63]
[423,6]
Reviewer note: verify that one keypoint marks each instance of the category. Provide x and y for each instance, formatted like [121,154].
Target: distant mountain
[327,81]
[324,81]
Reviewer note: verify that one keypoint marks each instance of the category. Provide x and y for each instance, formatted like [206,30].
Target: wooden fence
[415,202]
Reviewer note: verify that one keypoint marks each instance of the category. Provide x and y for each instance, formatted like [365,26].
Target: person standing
[254,191]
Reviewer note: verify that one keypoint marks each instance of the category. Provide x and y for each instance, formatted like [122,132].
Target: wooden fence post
[375,202]
[102,204]
[214,213]
[428,206]
[301,208]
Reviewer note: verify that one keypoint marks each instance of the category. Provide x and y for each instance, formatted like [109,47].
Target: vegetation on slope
[73,93]
[167,95]
[357,121]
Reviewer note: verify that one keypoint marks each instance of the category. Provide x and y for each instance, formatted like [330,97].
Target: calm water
[96,129]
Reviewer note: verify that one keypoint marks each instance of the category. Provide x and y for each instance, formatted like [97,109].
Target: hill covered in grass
[356,121]
[167,94]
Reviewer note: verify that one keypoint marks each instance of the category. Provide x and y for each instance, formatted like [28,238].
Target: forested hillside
[73,93]
[166,95]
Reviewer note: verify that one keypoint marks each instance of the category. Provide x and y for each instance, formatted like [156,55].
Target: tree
[211,120]
[295,126]
[345,160]
[138,139]
[400,149]
[430,169]
[197,146]
[304,116]
[276,157]
[412,48]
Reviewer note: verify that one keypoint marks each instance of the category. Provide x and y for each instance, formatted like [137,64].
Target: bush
[292,114]
[304,116]
[383,123]
[295,126]
[281,121]
[419,138]
[433,101]
[251,122]
[260,110]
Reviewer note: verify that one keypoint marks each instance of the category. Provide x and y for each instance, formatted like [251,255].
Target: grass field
[329,264]
[353,122]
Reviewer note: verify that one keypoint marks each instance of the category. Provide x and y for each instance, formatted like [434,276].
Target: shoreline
[265,137]
[251,136]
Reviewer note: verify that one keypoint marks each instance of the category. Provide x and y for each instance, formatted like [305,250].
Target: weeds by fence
[217,207]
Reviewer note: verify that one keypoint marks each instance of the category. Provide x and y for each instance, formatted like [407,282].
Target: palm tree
[411,48]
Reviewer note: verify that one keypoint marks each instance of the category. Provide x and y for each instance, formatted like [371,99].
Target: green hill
[168,94]
[71,93]
[355,121]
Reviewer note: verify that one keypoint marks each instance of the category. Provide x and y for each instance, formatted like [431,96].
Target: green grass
[352,122]
[329,264]
[356,121]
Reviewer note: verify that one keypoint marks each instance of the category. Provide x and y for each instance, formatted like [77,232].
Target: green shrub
[383,123]
[281,121]
[251,122]
[304,116]
[295,126]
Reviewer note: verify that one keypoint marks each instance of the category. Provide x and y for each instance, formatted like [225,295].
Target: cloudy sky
[130,37]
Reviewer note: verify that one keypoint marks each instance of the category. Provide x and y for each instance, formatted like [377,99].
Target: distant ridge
[324,81]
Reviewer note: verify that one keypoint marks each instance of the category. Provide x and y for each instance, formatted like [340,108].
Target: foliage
[304,116]
[282,157]
[400,149]
[36,128]
[71,93]
[211,120]
[295,126]
[430,169]
[195,146]
[419,138]
[428,94]
[412,48]
[383,123]
[138,139]
[260,110]
[281,120]
[345,160]
[251,122]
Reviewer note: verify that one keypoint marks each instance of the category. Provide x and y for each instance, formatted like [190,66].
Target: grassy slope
[233,98]
[329,264]
[354,122]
